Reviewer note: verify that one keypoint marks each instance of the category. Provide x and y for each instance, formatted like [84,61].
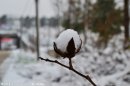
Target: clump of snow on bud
[64,38]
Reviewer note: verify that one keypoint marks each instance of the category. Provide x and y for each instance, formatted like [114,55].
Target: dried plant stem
[70,67]
[70,63]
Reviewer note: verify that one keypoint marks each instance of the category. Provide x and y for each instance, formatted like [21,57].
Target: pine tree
[73,17]
[105,19]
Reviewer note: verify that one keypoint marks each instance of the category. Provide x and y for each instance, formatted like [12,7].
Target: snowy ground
[107,67]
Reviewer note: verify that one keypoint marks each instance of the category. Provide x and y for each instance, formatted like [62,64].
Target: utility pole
[37,28]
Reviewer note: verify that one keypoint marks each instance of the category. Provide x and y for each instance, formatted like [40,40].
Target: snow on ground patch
[107,67]
[25,71]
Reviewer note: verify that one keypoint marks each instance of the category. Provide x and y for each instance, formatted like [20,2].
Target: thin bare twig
[70,68]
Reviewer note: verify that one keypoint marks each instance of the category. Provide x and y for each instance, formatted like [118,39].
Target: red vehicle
[7,43]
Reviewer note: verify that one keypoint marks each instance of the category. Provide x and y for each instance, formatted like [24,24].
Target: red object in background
[6,39]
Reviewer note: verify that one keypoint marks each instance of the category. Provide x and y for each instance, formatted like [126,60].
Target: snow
[25,39]
[10,32]
[106,66]
[64,38]
[108,51]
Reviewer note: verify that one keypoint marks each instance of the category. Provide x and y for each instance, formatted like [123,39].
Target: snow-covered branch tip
[67,45]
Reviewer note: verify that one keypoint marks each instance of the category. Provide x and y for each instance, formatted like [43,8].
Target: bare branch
[70,68]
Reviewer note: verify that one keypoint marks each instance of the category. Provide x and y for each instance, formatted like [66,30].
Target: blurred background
[28,29]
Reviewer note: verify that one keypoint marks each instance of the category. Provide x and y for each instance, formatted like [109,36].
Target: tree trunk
[126,20]
[71,13]
[86,19]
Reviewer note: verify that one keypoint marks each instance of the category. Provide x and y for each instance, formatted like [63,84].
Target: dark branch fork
[70,67]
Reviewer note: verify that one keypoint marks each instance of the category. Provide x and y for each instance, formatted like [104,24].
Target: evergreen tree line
[29,22]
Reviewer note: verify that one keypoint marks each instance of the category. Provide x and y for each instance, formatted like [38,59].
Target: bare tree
[86,18]
[58,9]
[70,12]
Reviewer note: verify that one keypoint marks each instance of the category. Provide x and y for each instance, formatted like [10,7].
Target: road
[3,55]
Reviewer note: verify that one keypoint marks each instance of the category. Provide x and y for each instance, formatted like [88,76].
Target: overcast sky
[26,7]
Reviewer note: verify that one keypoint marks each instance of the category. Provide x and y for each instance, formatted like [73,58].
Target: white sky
[26,7]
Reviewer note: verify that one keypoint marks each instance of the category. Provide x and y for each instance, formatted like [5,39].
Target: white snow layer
[107,67]
[64,38]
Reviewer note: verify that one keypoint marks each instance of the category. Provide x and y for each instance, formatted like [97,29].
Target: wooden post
[37,28]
